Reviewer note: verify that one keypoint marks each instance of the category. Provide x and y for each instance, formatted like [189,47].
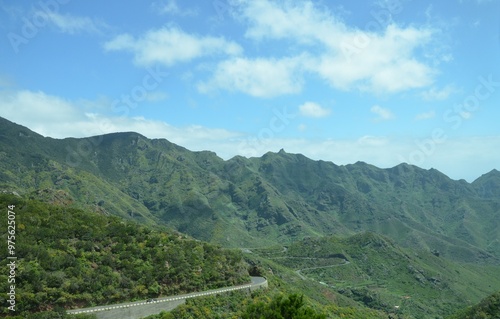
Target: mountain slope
[488,308]
[378,273]
[70,258]
[488,185]
[242,202]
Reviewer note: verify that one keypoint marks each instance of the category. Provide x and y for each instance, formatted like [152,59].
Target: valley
[373,270]
[356,241]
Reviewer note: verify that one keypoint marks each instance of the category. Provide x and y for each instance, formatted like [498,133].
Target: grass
[382,275]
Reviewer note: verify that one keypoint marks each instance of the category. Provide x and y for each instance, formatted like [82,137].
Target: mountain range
[253,202]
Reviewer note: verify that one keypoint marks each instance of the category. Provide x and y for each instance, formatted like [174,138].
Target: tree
[291,307]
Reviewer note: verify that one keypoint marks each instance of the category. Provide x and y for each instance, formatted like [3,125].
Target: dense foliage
[71,258]
[223,306]
[241,305]
[55,314]
[282,283]
[488,308]
[379,274]
[254,202]
[281,307]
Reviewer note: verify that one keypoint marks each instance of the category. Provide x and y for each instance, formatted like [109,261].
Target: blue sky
[384,82]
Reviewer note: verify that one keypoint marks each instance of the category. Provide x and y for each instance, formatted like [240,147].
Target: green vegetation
[441,251]
[281,307]
[223,306]
[263,304]
[375,272]
[488,308]
[70,258]
[56,314]
[282,282]
[276,198]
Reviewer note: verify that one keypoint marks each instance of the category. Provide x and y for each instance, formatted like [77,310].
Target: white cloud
[156,96]
[425,116]
[279,20]
[347,57]
[171,7]
[171,45]
[434,94]
[372,141]
[53,116]
[388,60]
[311,109]
[386,64]
[72,24]
[195,137]
[35,107]
[256,77]
[383,113]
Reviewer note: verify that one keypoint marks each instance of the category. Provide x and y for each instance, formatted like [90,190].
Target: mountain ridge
[24,130]
[241,202]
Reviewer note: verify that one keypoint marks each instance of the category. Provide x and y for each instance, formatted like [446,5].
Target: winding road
[298,272]
[140,309]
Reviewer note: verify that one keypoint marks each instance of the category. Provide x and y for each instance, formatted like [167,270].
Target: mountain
[378,273]
[69,258]
[488,308]
[488,185]
[251,202]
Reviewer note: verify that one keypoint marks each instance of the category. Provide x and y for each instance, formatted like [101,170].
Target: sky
[383,81]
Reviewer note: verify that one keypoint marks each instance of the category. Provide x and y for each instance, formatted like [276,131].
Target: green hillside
[69,258]
[102,219]
[488,308]
[361,276]
[379,274]
[242,202]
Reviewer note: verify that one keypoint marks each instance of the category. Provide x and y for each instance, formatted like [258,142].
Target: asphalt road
[138,309]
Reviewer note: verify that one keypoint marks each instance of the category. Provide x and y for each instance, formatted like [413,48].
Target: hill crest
[243,202]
